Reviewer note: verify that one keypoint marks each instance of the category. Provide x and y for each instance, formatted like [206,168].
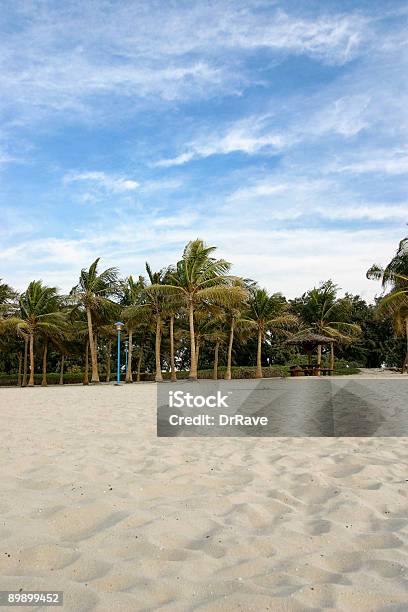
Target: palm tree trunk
[24,383]
[405,364]
[173,376]
[108,361]
[215,370]
[20,360]
[228,372]
[258,372]
[129,377]
[332,355]
[319,358]
[44,368]
[197,355]
[139,362]
[61,378]
[31,379]
[193,364]
[92,345]
[86,368]
[158,376]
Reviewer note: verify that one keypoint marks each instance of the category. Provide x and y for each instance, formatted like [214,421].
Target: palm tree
[132,295]
[237,297]
[197,277]
[218,337]
[39,314]
[8,299]
[151,310]
[93,293]
[325,314]
[395,302]
[8,304]
[264,313]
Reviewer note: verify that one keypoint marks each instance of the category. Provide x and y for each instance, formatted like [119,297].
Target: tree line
[195,315]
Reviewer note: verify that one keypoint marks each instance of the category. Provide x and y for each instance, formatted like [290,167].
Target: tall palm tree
[94,292]
[325,314]
[197,277]
[151,310]
[265,312]
[237,297]
[39,314]
[395,278]
[132,295]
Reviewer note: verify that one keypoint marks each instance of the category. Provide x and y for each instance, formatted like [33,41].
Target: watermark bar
[283,407]
[31,598]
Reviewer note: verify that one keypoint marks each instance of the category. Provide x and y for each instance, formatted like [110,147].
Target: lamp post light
[118,327]
[126,356]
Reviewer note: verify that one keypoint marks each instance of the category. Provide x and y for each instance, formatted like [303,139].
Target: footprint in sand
[85,569]
[387,569]
[344,471]
[37,559]
[343,562]
[83,522]
[378,540]
[318,527]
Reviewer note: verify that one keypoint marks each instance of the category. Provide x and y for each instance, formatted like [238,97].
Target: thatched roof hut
[309,341]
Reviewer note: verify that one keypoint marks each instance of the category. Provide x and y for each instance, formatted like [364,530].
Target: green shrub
[238,372]
[52,379]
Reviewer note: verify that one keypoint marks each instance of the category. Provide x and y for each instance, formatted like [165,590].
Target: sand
[94,504]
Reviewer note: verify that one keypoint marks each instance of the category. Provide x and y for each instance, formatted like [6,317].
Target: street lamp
[118,327]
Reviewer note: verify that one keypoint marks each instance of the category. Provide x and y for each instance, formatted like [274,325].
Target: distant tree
[394,277]
[132,295]
[198,277]
[94,292]
[324,313]
[266,312]
[39,314]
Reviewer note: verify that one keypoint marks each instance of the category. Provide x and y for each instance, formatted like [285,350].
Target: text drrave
[222,420]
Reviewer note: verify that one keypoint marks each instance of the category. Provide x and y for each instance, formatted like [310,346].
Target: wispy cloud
[386,162]
[108,182]
[250,135]
[57,62]
[274,130]
[260,134]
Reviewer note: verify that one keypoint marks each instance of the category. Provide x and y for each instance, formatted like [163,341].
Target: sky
[276,131]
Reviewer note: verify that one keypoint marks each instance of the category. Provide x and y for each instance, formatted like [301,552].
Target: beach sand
[94,504]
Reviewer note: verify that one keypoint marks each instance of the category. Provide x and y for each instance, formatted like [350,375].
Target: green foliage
[246,324]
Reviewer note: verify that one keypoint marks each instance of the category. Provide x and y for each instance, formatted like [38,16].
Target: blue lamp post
[118,326]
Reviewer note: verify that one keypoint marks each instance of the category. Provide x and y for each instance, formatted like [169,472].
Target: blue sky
[276,131]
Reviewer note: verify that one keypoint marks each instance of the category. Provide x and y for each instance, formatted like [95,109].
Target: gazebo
[309,342]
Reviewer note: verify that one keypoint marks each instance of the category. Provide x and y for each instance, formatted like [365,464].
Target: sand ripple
[95,505]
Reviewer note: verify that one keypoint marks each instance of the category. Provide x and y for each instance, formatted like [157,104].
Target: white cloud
[290,261]
[345,116]
[250,135]
[290,188]
[56,60]
[334,38]
[6,159]
[385,162]
[116,184]
[369,212]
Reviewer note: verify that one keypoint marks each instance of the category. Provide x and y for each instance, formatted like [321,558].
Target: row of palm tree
[198,300]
